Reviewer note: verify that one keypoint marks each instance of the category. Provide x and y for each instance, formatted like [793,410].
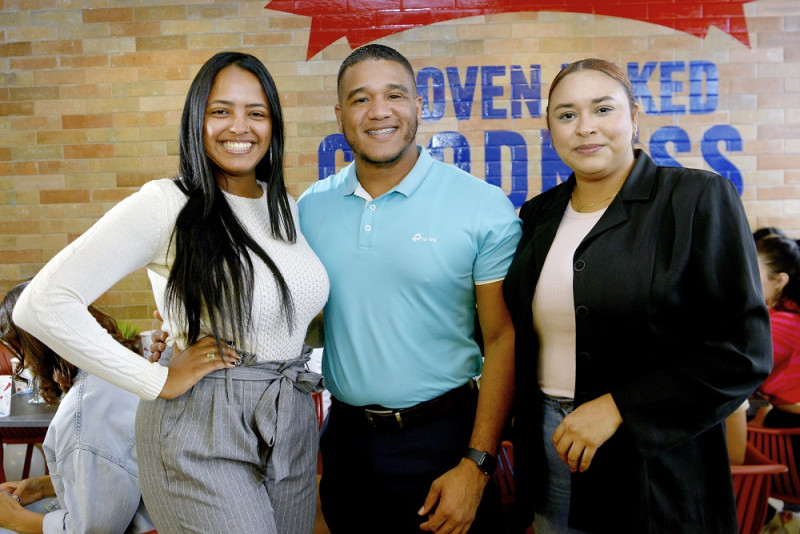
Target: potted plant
[130,332]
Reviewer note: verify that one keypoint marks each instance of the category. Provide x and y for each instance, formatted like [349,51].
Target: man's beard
[408,140]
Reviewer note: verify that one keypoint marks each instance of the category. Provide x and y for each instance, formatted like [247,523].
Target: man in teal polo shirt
[412,247]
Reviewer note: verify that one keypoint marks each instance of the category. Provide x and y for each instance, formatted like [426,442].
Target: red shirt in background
[783,383]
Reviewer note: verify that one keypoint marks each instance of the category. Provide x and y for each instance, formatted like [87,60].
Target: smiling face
[592,125]
[237,127]
[378,113]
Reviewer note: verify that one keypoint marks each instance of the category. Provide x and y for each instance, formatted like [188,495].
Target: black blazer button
[584,356]
[580,265]
[582,312]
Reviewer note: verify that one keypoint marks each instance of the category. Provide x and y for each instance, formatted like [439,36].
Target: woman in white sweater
[226,442]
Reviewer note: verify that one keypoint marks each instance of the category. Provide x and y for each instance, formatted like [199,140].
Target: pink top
[783,383]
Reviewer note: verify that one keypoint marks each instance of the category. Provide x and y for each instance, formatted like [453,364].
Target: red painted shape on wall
[364,21]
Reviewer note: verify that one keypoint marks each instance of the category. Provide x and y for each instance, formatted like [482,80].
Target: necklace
[581,207]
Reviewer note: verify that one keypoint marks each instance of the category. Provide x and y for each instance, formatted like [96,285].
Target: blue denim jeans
[553,512]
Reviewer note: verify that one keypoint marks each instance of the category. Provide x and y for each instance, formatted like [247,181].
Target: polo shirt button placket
[367,234]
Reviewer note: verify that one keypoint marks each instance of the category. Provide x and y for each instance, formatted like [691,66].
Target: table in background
[24,414]
[27,424]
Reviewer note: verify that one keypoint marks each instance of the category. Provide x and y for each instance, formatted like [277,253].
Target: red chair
[776,444]
[504,474]
[751,483]
[30,436]
[320,407]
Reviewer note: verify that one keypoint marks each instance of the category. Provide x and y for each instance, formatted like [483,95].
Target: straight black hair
[213,271]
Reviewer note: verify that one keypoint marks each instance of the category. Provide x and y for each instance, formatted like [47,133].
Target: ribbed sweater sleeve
[54,305]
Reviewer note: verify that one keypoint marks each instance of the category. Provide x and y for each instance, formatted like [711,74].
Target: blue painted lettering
[733,142]
[528,93]
[463,95]
[640,89]
[669,87]
[494,141]
[431,80]
[461,153]
[326,154]
[489,91]
[699,70]
[506,152]
[664,136]
[554,171]
[703,86]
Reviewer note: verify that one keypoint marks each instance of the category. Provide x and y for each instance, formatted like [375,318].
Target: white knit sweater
[136,233]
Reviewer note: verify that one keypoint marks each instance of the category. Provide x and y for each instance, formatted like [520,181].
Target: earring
[551,144]
[270,155]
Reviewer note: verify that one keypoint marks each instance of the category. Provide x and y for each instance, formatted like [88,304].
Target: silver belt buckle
[369,413]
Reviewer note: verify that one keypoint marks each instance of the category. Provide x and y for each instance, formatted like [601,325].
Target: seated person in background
[89,447]
[736,434]
[779,264]
[766,231]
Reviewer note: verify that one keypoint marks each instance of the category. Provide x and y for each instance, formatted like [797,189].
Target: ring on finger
[210,356]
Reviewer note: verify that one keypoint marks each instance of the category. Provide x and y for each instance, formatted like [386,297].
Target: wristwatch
[486,462]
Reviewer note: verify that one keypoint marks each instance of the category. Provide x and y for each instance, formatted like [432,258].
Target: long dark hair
[782,255]
[213,271]
[55,374]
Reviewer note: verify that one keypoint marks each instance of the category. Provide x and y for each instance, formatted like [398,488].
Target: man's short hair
[374,52]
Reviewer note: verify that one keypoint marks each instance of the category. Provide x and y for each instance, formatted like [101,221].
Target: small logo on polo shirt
[419,237]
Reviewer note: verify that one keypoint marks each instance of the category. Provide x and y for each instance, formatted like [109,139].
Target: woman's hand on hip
[187,367]
[158,340]
[583,431]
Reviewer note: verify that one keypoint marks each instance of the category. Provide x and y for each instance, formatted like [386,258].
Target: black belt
[383,418]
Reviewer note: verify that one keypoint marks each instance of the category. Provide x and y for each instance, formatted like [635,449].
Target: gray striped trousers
[236,453]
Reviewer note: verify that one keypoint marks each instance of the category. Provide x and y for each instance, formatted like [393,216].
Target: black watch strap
[486,462]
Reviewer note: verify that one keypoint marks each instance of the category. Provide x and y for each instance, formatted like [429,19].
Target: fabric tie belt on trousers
[285,377]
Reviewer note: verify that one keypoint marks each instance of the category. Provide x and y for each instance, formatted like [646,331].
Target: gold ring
[210,356]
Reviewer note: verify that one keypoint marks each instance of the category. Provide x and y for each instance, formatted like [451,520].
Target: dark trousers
[376,480]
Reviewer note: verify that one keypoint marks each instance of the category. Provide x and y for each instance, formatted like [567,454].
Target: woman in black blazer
[636,300]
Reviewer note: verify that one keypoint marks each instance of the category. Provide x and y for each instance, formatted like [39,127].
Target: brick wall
[91,93]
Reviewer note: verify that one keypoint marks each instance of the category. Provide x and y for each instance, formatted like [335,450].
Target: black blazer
[671,320]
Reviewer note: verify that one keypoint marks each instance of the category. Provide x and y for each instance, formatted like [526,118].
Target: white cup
[6,390]
[146,342]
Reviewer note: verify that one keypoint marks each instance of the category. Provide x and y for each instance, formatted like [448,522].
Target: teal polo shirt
[400,318]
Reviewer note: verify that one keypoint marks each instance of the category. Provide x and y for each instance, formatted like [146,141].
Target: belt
[285,379]
[380,417]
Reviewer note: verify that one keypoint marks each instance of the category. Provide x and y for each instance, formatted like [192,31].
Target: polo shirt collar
[407,185]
